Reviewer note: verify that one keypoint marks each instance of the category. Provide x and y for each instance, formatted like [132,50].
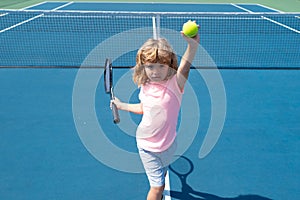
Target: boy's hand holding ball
[190,29]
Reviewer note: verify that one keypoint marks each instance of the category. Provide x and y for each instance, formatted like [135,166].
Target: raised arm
[186,60]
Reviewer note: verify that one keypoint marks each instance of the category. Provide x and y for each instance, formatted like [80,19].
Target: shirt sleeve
[175,87]
[141,94]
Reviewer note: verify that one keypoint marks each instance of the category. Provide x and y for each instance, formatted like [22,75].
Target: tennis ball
[190,29]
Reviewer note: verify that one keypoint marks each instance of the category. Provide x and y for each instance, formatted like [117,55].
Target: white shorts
[156,164]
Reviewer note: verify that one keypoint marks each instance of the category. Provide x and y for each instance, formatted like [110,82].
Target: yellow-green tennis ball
[190,29]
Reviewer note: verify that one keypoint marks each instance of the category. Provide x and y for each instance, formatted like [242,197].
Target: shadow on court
[183,167]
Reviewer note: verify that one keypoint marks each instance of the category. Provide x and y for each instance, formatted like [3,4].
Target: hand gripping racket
[108,83]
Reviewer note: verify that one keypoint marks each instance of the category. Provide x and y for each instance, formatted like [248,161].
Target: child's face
[156,72]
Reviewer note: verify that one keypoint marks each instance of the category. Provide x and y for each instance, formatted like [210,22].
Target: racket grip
[115,113]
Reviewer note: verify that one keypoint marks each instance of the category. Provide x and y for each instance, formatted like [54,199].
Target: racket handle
[115,113]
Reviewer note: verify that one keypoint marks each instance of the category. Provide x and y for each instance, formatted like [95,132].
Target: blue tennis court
[239,123]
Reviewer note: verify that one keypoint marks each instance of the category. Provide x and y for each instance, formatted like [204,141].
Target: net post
[156,26]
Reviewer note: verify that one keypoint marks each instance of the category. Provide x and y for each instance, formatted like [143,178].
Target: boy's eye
[150,66]
[155,65]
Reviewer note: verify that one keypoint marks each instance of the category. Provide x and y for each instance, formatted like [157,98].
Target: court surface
[58,140]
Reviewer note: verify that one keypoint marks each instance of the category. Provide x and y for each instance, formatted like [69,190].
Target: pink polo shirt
[161,104]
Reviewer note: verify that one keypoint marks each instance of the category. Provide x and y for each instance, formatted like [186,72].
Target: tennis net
[82,39]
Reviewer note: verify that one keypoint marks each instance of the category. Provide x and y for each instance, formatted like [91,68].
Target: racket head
[108,85]
[182,166]
[108,75]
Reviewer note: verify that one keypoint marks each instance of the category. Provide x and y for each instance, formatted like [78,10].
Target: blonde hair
[154,51]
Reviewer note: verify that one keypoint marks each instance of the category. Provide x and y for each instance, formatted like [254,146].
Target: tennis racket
[108,83]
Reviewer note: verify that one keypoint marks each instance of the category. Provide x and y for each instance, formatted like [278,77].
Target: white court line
[270,8]
[280,24]
[167,194]
[62,6]
[249,11]
[18,24]
[33,5]
[3,14]
[33,18]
